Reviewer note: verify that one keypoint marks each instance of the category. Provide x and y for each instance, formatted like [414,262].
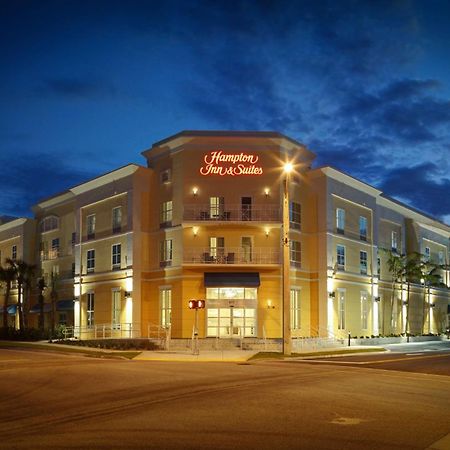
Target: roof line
[386,196]
[223,133]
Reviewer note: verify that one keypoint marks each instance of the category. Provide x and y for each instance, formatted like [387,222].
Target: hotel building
[214,216]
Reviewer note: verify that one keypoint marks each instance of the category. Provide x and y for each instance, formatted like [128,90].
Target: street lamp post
[287,341]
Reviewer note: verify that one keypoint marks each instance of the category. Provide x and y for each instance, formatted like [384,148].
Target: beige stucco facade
[203,220]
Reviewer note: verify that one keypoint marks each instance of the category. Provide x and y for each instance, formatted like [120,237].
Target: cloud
[420,187]
[33,177]
[73,88]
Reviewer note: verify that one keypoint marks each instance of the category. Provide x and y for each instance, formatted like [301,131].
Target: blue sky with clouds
[85,86]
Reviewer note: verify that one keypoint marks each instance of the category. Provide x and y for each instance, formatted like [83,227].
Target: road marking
[414,354]
[347,421]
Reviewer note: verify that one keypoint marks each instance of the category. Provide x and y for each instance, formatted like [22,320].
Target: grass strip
[278,355]
[56,348]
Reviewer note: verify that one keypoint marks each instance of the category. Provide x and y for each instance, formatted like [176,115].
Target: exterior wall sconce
[195,190]
[432,305]
[127,294]
[332,294]
[377,299]
[267,230]
[270,305]
[405,302]
[195,230]
[266,192]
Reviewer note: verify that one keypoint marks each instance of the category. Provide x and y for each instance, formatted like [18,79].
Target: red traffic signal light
[196,304]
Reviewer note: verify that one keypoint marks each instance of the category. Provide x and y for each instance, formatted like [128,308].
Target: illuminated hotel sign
[234,164]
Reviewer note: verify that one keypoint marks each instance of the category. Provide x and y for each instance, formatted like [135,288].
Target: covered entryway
[231,304]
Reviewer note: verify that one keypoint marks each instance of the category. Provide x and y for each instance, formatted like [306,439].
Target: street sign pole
[195,348]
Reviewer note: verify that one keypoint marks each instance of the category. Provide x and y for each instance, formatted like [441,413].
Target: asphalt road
[57,401]
[424,357]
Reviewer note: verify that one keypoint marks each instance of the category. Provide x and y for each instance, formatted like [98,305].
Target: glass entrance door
[231,322]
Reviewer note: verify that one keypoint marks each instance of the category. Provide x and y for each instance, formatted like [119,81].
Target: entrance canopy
[235,279]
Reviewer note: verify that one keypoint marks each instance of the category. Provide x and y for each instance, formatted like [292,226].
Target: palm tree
[41,287]
[23,274]
[28,277]
[395,264]
[7,276]
[411,274]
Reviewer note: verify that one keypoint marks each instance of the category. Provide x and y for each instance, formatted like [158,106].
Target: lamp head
[288,167]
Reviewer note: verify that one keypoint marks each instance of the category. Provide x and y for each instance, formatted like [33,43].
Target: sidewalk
[204,356]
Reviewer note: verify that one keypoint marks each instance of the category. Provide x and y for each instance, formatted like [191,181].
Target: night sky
[86,85]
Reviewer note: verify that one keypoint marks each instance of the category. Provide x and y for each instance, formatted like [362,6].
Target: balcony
[232,213]
[232,255]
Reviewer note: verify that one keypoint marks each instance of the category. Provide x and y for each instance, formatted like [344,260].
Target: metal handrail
[232,255]
[235,213]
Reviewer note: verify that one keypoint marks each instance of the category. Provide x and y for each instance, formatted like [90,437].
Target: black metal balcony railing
[234,213]
[232,255]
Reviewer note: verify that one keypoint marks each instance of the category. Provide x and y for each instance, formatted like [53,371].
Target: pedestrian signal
[196,304]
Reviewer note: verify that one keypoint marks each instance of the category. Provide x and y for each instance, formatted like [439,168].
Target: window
[73,269]
[216,207]
[379,266]
[340,220]
[74,239]
[90,309]
[340,257]
[116,256]
[55,271]
[62,319]
[427,253]
[43,249]
[55,248]
[364,310]
[394,241]
[216,247]
[117,219]
[49,224]
[363,228]
[14,252]
[165,302]
[440,256]
[90,260]
[166,214]
[165,253]
[295,253]
[295,309]
[231,293]
[116,307]
[295,213]
[165,176]
[247,249]
[341,310]
[90,226]
[363,262]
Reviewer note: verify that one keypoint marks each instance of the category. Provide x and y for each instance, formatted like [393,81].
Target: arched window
[49,223]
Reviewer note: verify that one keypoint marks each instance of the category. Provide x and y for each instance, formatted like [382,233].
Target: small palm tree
[28,277]
[396,265]
[23,274]
[411,274]
[7,277]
